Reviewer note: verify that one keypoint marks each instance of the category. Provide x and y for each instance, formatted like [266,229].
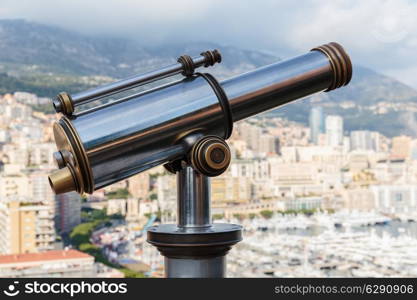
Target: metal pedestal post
[194,247]
[195,268]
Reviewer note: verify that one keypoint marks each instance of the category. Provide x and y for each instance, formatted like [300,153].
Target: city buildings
[138,185]
[334,130]
[226,189]
[401,147]
[277,165]
[341,173]
[303,203]
[26,226]
[364,140]
[167,197]
[125,207]
[316,122]
[395,199]
[67,211]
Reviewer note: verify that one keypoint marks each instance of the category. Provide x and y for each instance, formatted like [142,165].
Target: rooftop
[42,256]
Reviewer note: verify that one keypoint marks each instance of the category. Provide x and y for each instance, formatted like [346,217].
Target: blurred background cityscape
[324,187]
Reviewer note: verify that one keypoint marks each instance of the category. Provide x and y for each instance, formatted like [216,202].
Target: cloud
[378,34]
[406,74]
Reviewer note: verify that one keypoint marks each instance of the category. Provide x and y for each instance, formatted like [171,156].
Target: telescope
[183,125]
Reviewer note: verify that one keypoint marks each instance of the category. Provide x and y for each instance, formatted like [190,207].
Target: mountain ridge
[45,60]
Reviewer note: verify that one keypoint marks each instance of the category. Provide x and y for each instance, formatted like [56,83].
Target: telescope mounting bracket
[196,247]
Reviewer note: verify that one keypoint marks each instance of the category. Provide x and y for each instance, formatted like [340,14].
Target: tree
[80,238]
[218,216]
[267,214]
[238,216]
[118,194]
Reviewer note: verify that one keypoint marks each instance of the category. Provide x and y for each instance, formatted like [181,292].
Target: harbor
[323,246]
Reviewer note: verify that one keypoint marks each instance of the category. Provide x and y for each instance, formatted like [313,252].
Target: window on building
[398,197]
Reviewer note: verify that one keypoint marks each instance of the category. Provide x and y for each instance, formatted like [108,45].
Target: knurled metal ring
[67,107]
[340,63]
[211,57]
[187,65]
[201,157]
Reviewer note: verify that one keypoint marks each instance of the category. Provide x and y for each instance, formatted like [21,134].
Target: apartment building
[25,226]
[56,263]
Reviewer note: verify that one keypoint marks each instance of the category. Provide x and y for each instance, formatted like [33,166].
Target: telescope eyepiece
[63,180]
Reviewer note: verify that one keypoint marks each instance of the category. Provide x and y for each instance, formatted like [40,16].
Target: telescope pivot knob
[210,156]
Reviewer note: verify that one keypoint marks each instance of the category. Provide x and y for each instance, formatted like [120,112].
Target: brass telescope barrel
[113,142]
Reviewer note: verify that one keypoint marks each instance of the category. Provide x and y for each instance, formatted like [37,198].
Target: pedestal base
[195,252]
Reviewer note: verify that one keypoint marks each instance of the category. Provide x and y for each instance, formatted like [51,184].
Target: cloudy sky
[378,34]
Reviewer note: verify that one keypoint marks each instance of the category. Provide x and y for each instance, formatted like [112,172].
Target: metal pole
[195,268]
[194,247]
[193,190]
[193,196]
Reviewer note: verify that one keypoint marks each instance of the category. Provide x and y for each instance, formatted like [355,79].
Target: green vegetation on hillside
[41,85]
[81,234]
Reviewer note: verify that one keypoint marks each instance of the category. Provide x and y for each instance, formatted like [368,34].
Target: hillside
[45,60]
